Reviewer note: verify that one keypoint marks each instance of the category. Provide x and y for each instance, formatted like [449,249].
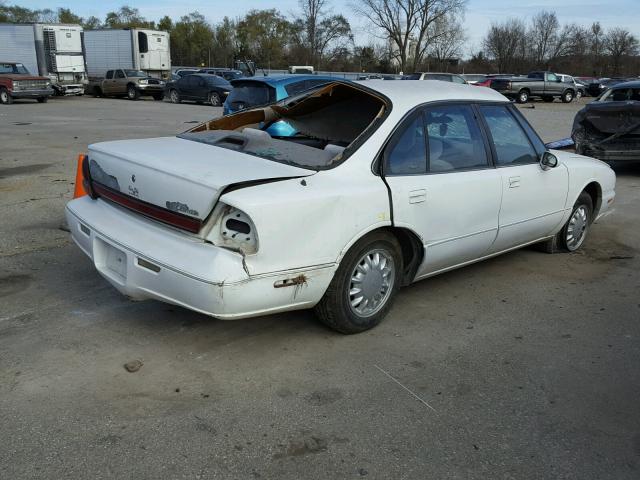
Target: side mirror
[548,160]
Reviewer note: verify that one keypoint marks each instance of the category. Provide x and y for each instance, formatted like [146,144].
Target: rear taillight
[83,178]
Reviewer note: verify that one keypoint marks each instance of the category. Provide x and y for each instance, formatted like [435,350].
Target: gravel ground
[524,366]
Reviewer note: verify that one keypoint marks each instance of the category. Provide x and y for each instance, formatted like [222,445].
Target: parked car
[225,73]
[385,184]
[599,86]
[199,87]
[544,85]
[489,78]
[474,79]
[580,88]
[17,82]
[443,77]
[254,91]
[609,127]
[123,82]
[183,72]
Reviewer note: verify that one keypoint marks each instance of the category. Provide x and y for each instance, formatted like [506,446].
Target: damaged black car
[609,128]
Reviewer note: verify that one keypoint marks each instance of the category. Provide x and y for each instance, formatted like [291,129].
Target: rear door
[443,185]
[533,199]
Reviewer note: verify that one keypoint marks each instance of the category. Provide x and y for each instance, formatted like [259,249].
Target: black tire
[214,99]
[335,309]
[547,99]
[132,92]
[5,97]
[523,96]
[174,96]
[97,92]
[42,99]
[158,96]
[567,96]
[561,242]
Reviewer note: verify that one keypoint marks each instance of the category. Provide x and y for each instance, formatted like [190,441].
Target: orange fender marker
[79,190]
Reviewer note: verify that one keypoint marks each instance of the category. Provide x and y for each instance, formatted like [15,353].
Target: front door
[444,186]
[533,199]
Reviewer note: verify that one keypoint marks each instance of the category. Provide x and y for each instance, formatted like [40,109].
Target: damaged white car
[385,183]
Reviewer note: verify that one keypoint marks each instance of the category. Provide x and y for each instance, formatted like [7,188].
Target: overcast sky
[480,13]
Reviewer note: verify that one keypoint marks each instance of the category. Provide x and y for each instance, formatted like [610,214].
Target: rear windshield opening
[249,94]
[326,121]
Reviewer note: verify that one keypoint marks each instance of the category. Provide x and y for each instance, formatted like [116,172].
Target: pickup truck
[122,82]
[17,82]
[544,85]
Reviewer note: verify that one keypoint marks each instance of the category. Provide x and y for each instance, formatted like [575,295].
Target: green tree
[263,36]
[127,17]
[65,15]
[165,24]
[192,41]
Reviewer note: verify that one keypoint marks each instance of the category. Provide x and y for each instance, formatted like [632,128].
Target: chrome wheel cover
[174,96]
[131,92]
[577,228]
[214,100]
[4,96]
[371,283]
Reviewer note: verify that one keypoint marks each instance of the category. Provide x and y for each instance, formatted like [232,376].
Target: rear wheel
[214,99]
[567,97]
[174,96]
[5,97]
[97,92]
[364,286]
[523,96]
[133,93]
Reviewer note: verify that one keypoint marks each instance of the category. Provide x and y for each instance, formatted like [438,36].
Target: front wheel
[174,96]
[5,97]
[364,286]
[573,234]
[133,93]
[567,97]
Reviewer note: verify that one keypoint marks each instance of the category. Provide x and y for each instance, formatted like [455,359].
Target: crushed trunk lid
[179,175]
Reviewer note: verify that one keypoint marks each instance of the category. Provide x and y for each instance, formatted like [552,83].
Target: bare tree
[620,43]
[447,40]
[506,44]
[543,35]
[408,23]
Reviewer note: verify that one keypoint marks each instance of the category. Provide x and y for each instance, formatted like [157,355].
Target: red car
[17,82]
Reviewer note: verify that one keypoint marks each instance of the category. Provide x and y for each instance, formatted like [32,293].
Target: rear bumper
[145,260]
[71,89]
[45,92]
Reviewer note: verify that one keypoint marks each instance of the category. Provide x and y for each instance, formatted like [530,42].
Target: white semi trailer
[49,50]
[135,48]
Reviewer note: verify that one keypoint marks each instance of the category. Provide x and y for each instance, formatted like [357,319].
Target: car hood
[179,175]
[609,117]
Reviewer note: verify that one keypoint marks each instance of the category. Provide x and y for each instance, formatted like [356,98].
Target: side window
[551,77]
[454,138]
[511,144]
[457,79]
[535,139]
[408,150]
[109,74]
[119,74]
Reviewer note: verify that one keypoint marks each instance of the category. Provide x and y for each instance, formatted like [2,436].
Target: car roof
[410,93]
[630,84]
[285,79]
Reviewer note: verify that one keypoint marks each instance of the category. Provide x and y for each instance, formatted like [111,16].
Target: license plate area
[111,261]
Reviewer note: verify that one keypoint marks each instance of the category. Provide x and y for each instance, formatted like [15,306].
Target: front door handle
[418,196]
[514,182]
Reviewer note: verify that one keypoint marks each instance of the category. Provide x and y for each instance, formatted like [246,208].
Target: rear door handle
[514,182]
[418,196]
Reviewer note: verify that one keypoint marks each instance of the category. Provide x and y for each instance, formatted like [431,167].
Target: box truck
[135,48]
[49,50]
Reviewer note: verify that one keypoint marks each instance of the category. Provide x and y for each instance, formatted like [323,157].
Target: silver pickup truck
[122,82]
[544,85]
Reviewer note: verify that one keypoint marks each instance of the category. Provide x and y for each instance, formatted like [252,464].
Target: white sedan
[386,183]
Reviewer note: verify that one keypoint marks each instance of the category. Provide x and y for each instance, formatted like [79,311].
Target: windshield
[15,68]
[620,95]
[250,94]
[135,73]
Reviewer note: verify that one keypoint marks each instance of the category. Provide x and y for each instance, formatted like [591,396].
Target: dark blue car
[254,91]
